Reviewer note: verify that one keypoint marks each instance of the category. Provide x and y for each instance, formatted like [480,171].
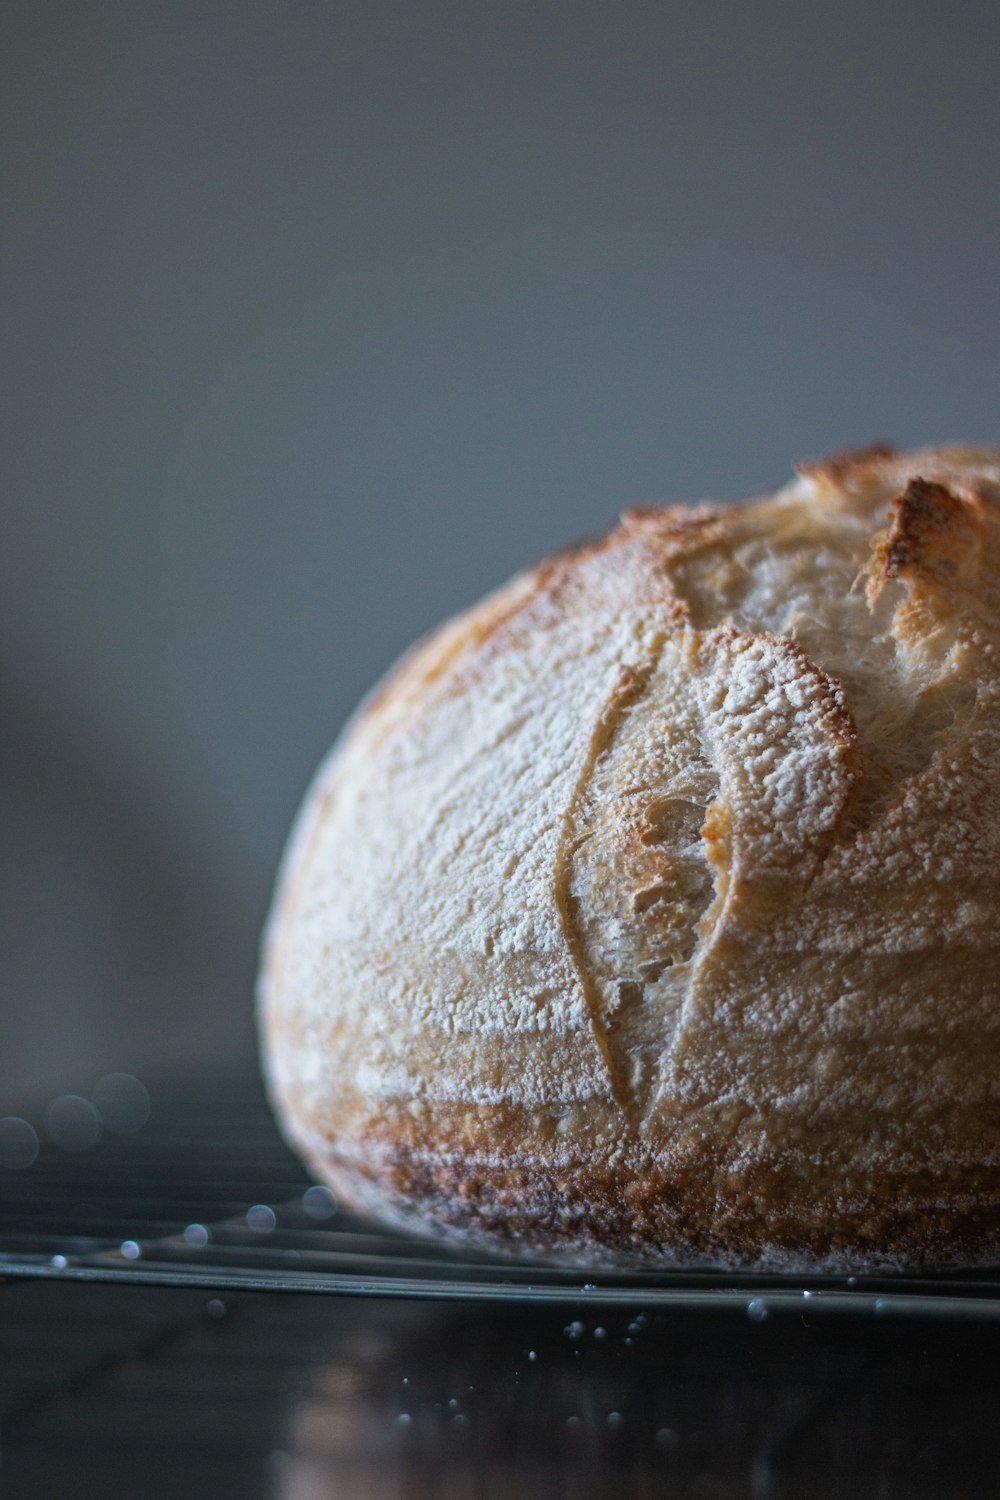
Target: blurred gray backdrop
[320,319]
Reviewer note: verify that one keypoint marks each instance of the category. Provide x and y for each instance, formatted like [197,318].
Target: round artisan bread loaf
[648,912]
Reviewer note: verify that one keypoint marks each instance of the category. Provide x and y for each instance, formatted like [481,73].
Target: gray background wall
[320,319]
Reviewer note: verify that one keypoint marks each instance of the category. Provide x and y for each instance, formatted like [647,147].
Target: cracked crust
[647,913]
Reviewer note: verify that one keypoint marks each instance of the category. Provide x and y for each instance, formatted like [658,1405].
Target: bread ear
[932,543]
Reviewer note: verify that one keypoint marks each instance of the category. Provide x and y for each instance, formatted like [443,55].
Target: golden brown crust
[833,471]
[648,912]
[929,538]
[694,1197]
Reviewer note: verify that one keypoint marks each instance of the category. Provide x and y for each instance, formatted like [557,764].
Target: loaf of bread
[647,914]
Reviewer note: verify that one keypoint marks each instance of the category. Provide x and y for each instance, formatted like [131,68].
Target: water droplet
[319,1202]
[453,1404]
[404,1419]
[615,1419]
[532,1355]
[196,1235]
[215,1308]
[130,1249]
[807,1294]
[600,1333]
[122,1103]
[852,1281]
[18,1143]
[459,1419]
[60,1262]
[572,1421]
[757,1309]
[880,1306]
[666,1437]
[72,1123]
[261,1218]
[574,1330]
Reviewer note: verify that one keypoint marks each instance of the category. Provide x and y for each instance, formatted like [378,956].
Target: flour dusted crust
[648,913]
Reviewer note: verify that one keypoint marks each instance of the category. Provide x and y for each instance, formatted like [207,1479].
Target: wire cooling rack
[195,1187]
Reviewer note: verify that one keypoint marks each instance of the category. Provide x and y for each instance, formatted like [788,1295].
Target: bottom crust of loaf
[689,1204]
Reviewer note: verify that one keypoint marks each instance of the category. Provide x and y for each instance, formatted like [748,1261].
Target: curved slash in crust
[688,817]
[629,687]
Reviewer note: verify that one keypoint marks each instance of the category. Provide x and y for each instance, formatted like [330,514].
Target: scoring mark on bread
[725,767]
[577,830]
[716,776]
[632,878]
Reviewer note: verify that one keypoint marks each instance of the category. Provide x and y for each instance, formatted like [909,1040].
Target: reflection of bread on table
[649,909]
